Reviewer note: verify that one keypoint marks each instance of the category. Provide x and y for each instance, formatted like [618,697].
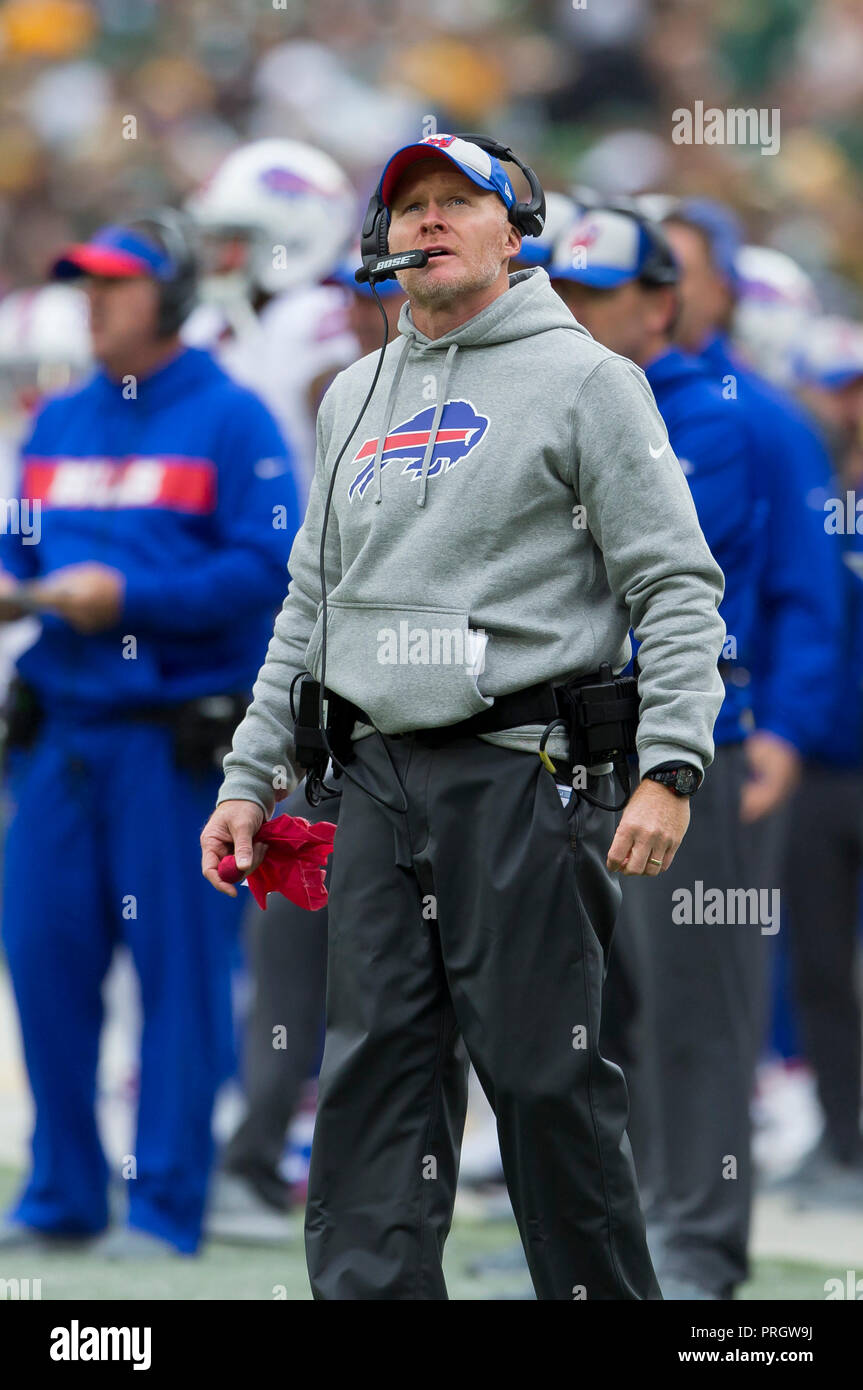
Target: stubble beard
[428,294]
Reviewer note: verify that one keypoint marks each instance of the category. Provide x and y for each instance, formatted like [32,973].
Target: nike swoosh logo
[657,453]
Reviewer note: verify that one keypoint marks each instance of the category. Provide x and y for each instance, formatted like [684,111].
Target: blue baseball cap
[474,162]
[605,248]
[113,252]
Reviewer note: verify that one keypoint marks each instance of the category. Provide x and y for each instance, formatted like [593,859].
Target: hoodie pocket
[408,668]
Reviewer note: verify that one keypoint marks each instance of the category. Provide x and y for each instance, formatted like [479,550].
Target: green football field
[256,1272]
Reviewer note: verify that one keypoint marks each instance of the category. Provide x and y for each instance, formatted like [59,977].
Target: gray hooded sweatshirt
[507,508]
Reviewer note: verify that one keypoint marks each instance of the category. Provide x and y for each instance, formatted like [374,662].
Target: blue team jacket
[190,491]
[711,445]
[799,620]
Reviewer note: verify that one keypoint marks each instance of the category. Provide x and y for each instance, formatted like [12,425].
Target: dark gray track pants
[690,1052]
[823,871]
[472,927]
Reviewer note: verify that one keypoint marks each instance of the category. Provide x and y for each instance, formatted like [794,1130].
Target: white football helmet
[832,355]
[44,337]
[776,308]
[291,201]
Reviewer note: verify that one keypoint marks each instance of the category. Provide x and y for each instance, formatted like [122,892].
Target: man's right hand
[230,830]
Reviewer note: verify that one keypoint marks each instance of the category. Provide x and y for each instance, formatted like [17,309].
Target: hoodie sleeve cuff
[238,789]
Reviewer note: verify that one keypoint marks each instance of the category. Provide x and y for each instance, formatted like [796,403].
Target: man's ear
[662,311]
[512,244]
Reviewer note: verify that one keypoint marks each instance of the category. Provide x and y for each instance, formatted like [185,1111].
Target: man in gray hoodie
[532,510]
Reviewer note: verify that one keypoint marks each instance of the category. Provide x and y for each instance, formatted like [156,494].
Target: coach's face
[615,318]
[123,315]
[706,301]
[466,230]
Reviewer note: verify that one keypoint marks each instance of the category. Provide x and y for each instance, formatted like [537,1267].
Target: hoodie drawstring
[439,405]
[388,415]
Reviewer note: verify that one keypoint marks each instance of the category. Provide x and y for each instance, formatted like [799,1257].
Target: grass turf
[233,1271]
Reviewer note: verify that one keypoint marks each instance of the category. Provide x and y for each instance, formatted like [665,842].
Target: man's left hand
[89,596]
[774,771]
[651,829]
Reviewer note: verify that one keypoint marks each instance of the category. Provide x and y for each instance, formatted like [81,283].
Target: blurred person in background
[775,307]
[44,348]
[159,566]
[274,219]
[795,661]
[560,213]
[824,860]
[677,1000]
[363,314]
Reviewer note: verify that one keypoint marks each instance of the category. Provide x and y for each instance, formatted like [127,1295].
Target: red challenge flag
[294,865]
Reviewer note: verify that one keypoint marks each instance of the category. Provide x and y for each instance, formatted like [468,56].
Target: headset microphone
[387,267]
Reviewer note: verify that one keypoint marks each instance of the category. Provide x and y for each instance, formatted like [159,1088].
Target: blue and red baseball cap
[114,252]
[606,247]
[477,164]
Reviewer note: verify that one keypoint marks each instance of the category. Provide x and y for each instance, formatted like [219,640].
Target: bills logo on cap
[441,141]
[585,234]
[461,429]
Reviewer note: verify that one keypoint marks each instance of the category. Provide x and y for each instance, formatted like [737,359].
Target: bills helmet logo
[461,429]
[287,181]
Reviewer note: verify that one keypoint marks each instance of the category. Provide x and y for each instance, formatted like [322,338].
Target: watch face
[687,781]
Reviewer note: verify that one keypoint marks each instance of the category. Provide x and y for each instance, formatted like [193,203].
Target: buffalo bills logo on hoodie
[461,428]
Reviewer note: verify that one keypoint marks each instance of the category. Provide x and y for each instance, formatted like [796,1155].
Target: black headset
[527,218]
[178,282]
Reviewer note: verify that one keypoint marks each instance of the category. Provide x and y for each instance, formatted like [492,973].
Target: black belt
[536,704]
[598,713]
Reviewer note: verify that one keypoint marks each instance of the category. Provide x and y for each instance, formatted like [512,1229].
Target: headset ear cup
[177,295]
[383,229]
[528,220]
[369,233]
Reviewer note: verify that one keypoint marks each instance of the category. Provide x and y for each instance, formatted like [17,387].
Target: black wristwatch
[681,778]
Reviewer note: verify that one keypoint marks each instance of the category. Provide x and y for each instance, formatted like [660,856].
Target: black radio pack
[316,739]
[600,716]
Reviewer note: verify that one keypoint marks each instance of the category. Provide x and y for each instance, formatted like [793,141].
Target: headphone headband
[178,284]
